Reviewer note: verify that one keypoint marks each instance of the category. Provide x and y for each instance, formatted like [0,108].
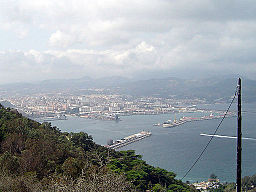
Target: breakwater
[127,140]
[175,122]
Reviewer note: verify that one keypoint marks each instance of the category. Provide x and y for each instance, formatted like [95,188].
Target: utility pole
[239,139]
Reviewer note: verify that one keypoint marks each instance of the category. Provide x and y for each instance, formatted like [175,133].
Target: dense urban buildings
[99,106]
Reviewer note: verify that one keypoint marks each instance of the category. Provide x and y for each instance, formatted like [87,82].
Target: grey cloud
[105,37]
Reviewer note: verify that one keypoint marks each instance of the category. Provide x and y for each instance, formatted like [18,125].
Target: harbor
[57,117]
[128,140]
[172,148]
[175,122]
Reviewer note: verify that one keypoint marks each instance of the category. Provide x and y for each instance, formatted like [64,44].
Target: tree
[158,188]
[9,163]
[72,167]
[82,140]
[213,176]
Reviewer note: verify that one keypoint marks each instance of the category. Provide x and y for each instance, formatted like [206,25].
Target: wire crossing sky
[213,135]
[54,39]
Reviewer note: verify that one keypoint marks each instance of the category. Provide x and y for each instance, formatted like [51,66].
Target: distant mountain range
[211,89]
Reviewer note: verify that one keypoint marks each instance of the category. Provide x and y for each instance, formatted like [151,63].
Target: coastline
[174,149]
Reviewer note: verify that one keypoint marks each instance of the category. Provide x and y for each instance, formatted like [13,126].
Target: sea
[176,149]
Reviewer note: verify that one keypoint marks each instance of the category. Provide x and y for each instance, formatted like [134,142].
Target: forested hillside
[39,157]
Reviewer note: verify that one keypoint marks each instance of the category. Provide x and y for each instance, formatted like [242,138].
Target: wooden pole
[239,139]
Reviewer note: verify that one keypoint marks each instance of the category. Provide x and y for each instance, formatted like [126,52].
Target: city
[127,96]
[97,106]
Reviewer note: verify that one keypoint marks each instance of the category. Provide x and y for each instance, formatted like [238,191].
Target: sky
[62,39]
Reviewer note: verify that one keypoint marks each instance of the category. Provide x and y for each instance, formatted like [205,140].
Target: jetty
[128,140]
[175,122]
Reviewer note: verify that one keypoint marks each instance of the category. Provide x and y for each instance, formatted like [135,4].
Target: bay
[175,149]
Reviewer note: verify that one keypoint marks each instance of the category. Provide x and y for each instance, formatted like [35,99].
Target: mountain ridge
[210,89]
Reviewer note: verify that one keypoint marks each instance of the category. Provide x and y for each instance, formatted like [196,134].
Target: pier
[128,140]
[174,123]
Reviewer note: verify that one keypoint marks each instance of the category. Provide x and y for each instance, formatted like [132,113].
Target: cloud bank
[69,39]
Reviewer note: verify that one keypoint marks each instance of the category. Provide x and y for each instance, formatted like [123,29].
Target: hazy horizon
[130,79]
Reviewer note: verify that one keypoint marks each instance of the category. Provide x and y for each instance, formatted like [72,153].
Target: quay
[128,140]
[174,123]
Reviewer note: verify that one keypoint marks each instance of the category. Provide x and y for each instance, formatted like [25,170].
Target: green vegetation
[249,183]
[39,157]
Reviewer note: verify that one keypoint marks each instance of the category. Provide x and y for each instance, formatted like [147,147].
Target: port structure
[128,140]
[175,122]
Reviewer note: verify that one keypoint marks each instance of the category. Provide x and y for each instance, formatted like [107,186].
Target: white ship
[175,122]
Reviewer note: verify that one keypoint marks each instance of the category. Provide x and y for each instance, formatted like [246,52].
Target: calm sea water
[175,149]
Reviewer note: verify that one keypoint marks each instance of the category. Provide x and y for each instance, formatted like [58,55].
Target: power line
[211,136]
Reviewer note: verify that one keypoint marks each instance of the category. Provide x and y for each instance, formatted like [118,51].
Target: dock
[174,123]
[128,140]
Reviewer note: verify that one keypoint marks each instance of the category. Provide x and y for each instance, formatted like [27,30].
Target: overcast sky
[46,39]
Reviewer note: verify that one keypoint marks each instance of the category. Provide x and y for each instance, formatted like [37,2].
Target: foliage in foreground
[38,157]
[248,184]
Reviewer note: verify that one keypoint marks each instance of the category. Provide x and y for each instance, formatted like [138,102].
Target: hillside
[211,89]
[39,157]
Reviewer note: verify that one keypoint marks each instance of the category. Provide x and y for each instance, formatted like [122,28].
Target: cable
[211,136]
